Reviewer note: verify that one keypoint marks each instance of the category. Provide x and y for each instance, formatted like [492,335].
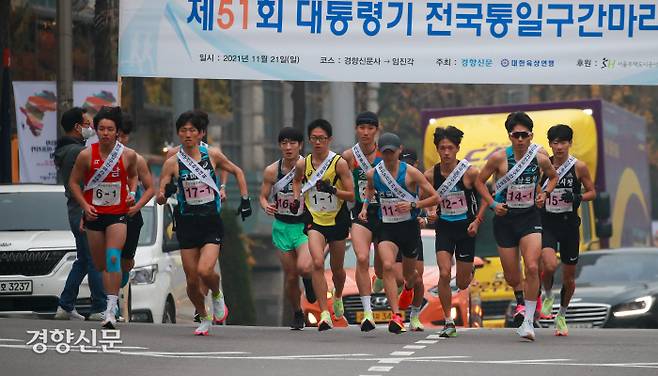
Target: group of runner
[536,200]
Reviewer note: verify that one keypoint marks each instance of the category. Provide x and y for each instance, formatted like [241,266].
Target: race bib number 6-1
[107,194]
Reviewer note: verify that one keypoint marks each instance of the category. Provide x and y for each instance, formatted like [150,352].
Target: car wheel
[169,314]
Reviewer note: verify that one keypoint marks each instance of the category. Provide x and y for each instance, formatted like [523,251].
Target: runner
[143,195]
[399,231]
[288,229]
[362,157]
[108,171]
[199,226]
[517,224]
[223,178]
[458,218]
[324,179]
[561,223]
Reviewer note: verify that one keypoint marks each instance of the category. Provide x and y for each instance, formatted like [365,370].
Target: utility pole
[64,58]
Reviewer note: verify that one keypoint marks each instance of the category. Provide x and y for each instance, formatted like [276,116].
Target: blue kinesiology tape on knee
[113,266]
[124,278]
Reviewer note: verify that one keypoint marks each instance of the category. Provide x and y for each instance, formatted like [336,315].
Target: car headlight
[636,307]
[144,275]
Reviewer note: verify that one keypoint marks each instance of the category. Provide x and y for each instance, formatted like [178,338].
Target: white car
[37,251]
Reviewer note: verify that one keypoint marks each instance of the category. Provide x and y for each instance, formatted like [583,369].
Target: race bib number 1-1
[107,194]
[321,201]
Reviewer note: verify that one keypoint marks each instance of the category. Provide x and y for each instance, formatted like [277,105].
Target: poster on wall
[36,120]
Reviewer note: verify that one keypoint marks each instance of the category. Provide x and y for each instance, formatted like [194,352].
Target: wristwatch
[413,205]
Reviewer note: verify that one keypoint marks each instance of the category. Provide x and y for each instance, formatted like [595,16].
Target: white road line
[402,353]
[426,342]
[390,361]
[201,353]
[433,336]
[415,347]
[77,347]
[379,369]
[10,340]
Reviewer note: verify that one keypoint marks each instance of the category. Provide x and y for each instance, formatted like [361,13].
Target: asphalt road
[149,349]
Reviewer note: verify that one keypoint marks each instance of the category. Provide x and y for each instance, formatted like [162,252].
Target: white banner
[449,41]
[36,119]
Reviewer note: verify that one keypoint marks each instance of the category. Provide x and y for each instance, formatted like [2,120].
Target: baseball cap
[389,141]
[409,155]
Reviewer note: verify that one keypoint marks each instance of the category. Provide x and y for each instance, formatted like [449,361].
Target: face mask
[87,132]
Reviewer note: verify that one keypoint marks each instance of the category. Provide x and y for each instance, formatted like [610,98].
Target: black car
[614,289]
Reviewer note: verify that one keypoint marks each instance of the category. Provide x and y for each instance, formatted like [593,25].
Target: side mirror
[602,207]
[603,228]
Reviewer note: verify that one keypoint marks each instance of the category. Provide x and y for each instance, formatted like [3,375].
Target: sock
[111,305]
[365,301]
[530,306]
[563,311]
[563,302]
[548,293]
[519,297]
[415,311]
[449,320]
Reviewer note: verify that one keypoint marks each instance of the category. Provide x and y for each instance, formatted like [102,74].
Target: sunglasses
[521,135]
[318,138]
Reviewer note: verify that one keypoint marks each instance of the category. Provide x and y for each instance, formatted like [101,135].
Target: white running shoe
[526,330]
[219,309]
[62,314]
[110,322]
[98,316]
[204,327]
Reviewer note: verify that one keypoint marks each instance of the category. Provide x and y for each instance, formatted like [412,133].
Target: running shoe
[62,314]
[415,324]
[547,307]
[325,321]
[110,322]
[526,330]
[96,316]
[377,284]
[204,327]
[197,317]
[308,289]
[368,322]
[519,315]
[297,321]
[396,325]
[561,329]
[219,309]
[449,330]
[339,309]
[405,298]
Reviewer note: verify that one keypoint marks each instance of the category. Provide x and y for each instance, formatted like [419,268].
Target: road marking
[390,361]
[433,336]
[402,353]
[75,348]
[415,347]
[379,369]
[426,342]
[10,340]
[201,353]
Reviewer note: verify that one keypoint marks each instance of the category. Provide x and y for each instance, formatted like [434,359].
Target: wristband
[222,186]
[132,194]
[493,205]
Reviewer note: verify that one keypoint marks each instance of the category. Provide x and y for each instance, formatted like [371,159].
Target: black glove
[570,197]
[170,189]
[294,206]
[244,209]
[324,186]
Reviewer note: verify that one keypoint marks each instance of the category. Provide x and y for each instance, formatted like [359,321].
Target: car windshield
[350,257]
[33,211]
[147,233]
[607,268]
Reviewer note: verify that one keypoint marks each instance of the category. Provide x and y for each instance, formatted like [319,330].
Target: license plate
[581,325]
[379,316]
[15,287]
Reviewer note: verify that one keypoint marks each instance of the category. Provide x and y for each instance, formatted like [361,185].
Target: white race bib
[520,196]
[197,192]
[390,214]
[454,203]
[107,194]
[555,204]
[321,201]
[283,201]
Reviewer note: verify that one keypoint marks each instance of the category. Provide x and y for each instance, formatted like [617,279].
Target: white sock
[450,321]
[530,306]
[415,311]
[365,301]
[563,311]
[111,304]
